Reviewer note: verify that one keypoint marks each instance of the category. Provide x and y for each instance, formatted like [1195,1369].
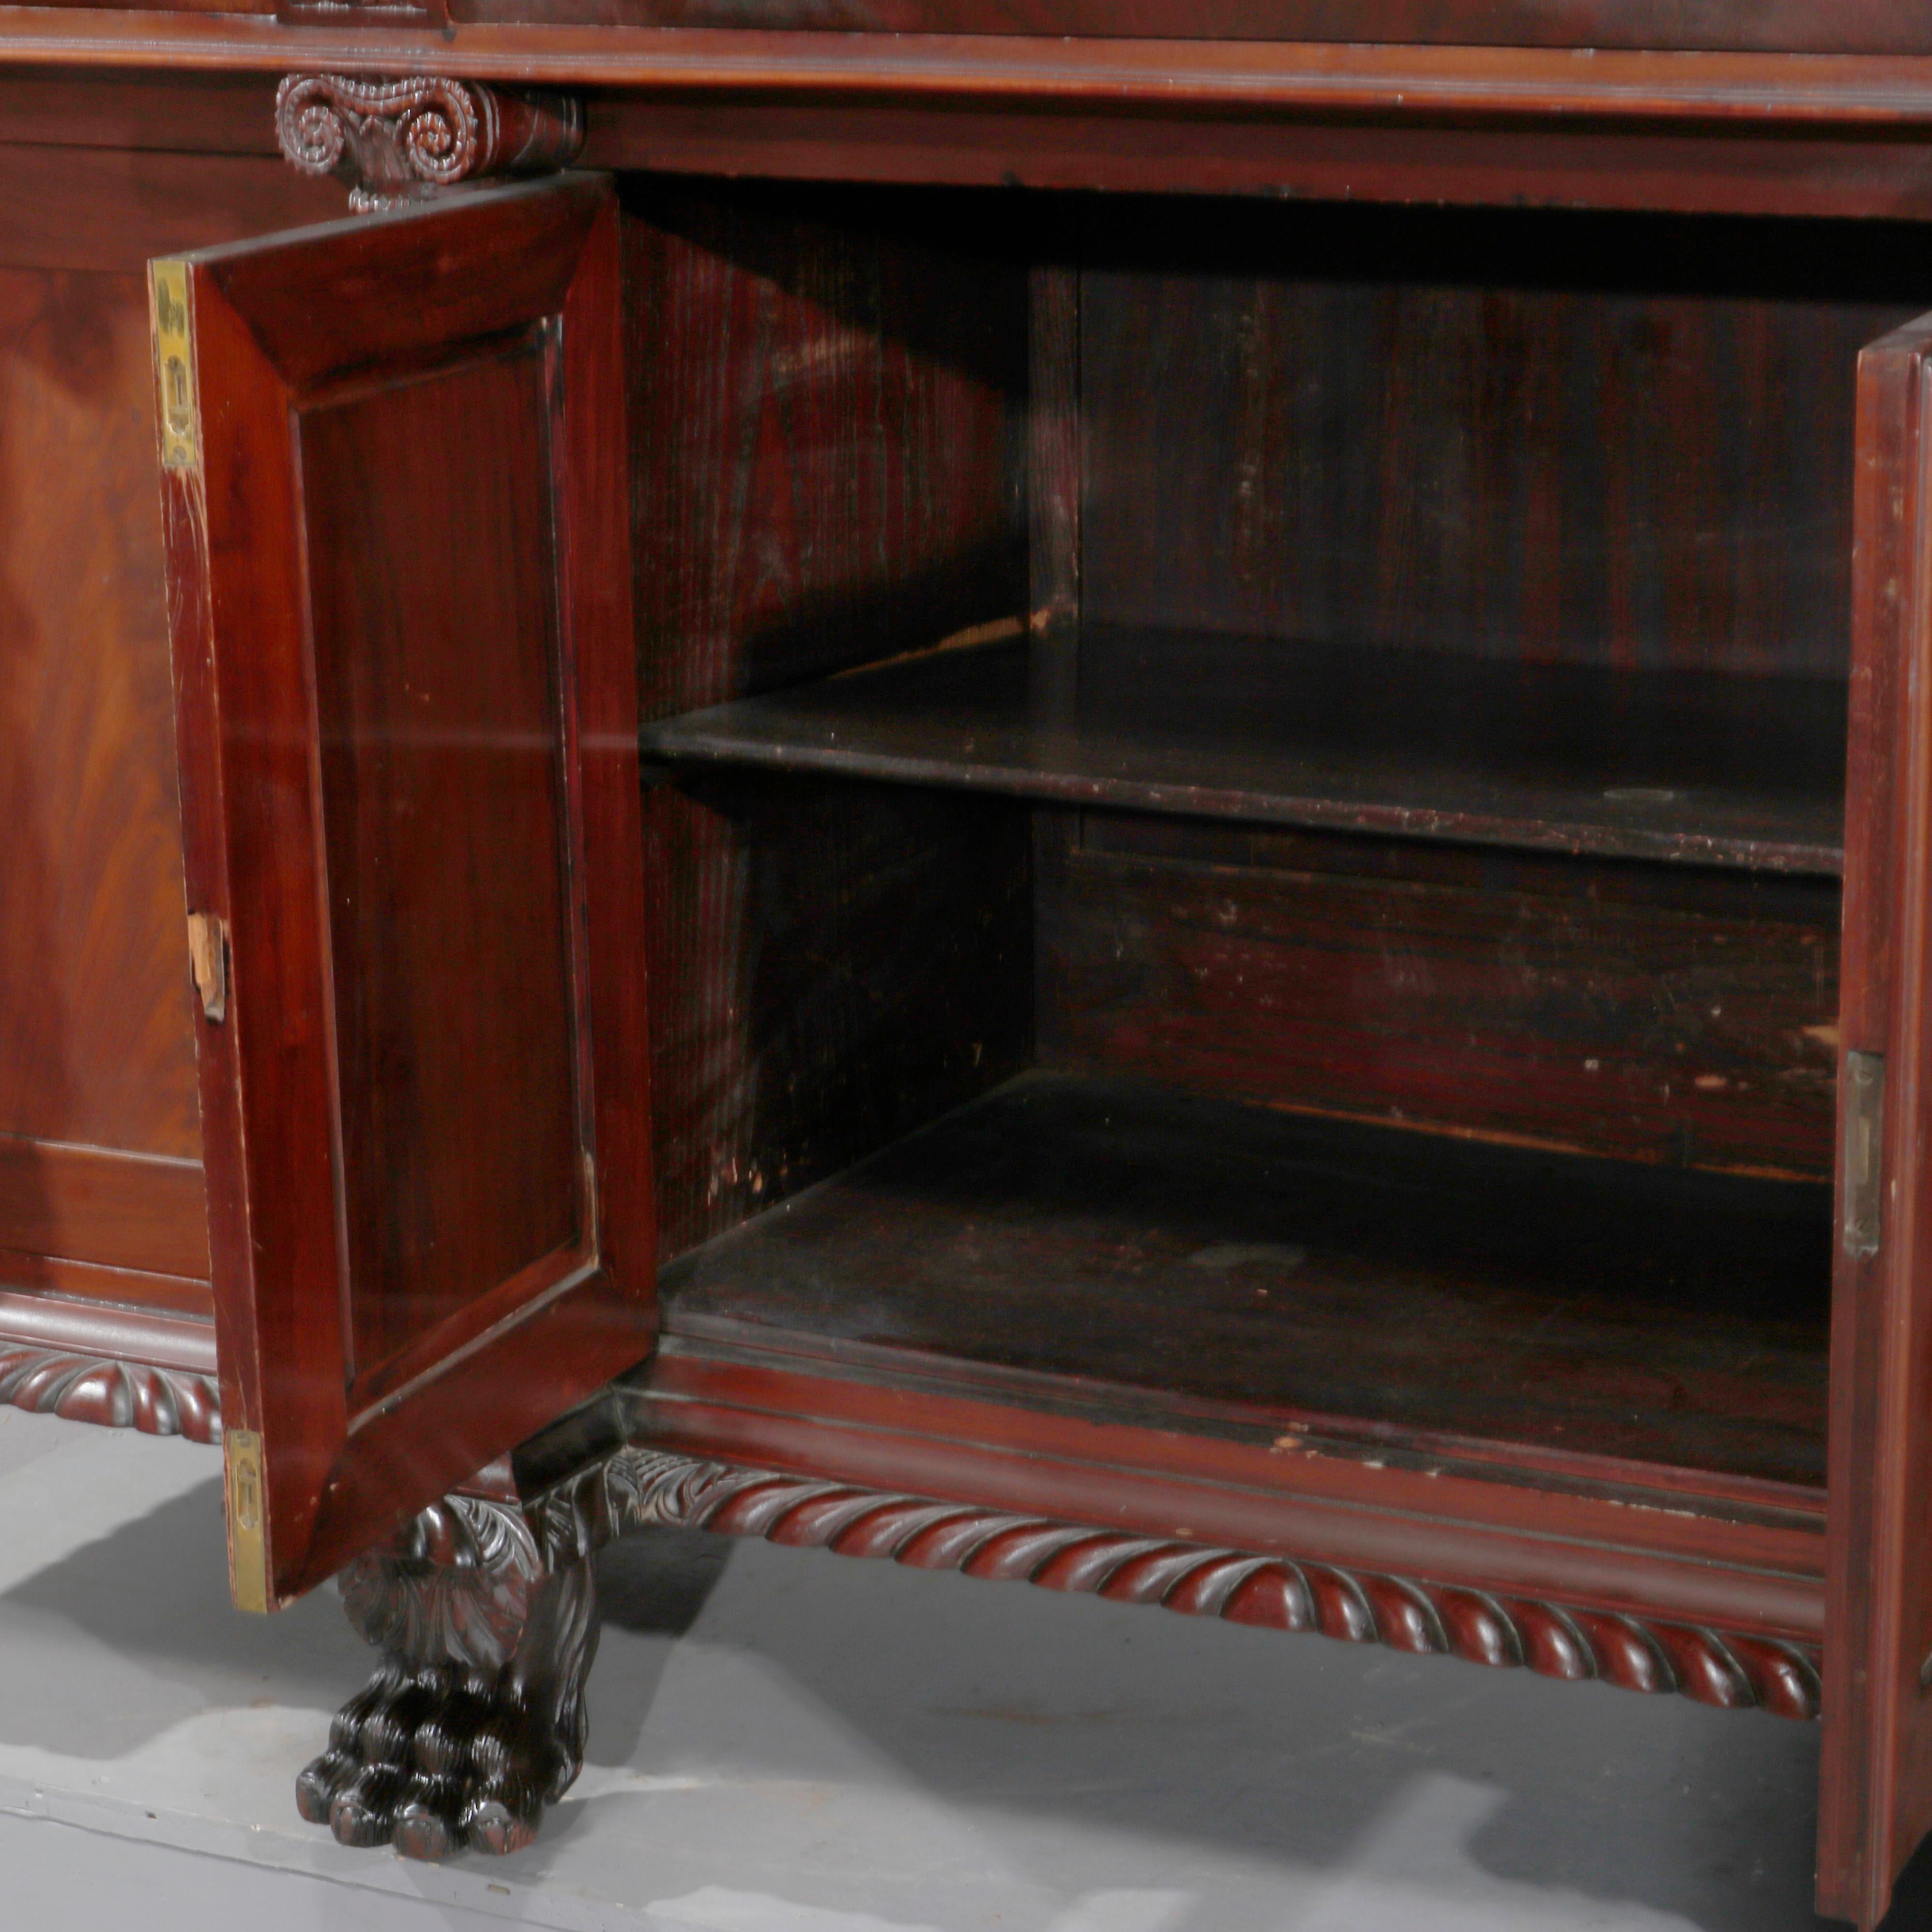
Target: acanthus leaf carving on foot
[476,1719]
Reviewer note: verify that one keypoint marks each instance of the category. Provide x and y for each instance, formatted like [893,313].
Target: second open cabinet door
[1876,1799]
[395,493]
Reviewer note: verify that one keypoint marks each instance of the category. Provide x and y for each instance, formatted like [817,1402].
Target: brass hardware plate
[247,1540]
[174,365]
[207,959]
[1861,1108]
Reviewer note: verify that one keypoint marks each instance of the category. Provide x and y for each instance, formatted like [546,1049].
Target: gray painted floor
[786,1741]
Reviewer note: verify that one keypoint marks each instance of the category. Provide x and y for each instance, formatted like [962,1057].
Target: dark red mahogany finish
[1876,1799]
[1360,691]
[407,700]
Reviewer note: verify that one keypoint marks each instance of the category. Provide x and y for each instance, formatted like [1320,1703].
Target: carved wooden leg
[476,1719]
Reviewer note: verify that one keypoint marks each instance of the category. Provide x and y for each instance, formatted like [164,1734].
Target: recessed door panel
[398,537]
[442,812]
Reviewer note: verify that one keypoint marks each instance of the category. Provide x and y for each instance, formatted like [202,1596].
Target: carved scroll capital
[393,142]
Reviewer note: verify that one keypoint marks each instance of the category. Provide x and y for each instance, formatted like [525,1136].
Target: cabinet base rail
[641,1487]
[486,1615]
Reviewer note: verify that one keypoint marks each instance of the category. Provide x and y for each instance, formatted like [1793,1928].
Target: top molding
[1735,93]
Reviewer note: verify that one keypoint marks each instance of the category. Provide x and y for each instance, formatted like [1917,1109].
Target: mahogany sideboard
[1136,793]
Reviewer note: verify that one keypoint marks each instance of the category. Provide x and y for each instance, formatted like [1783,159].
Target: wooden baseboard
[124,1368]
[87,1281]
[103,1206]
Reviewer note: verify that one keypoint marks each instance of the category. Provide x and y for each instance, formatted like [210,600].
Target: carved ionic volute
[392,142]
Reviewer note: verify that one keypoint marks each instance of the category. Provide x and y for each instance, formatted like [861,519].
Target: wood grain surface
[1696,767]
[1691,1546]
[452,966]
[99,1146]
[828,405]
[110,210]
[1875,1791]
[522,285]
[94,994]
[1850,26]
[1633,457]
[100,1184]
[1583,439]
[1527,1002]
[1122,1235]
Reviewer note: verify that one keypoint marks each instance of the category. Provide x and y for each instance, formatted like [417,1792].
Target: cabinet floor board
[1141,1239]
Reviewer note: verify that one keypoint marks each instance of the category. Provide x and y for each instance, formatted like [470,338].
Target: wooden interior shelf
[1131,1237]
[1703,766]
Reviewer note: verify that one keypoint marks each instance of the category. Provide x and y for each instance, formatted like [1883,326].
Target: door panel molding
[366,743]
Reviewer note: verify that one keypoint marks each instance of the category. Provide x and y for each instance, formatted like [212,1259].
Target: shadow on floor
[1224,1743]
[1196,1747]
[134,1633]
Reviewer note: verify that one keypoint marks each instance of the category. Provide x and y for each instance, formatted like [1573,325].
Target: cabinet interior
[1245,806]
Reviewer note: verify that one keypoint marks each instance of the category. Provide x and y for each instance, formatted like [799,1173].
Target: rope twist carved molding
[640,1487]
[113,1394]
[397,141]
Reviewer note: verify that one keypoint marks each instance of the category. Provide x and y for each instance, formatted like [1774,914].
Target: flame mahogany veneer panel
[95,1042]
[99,1144]
[101,1182]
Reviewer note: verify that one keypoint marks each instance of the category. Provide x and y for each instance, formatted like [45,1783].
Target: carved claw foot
[475,1720]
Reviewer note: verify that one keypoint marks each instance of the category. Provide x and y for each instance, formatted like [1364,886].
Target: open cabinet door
[396,500]
[1876,1798]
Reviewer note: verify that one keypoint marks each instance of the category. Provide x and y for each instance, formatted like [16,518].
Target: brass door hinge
[248,1541]
[1862,1111]
[174,365]
[207,960]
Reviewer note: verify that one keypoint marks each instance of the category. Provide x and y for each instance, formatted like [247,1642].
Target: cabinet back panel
[1565,1004]
[1605,439]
